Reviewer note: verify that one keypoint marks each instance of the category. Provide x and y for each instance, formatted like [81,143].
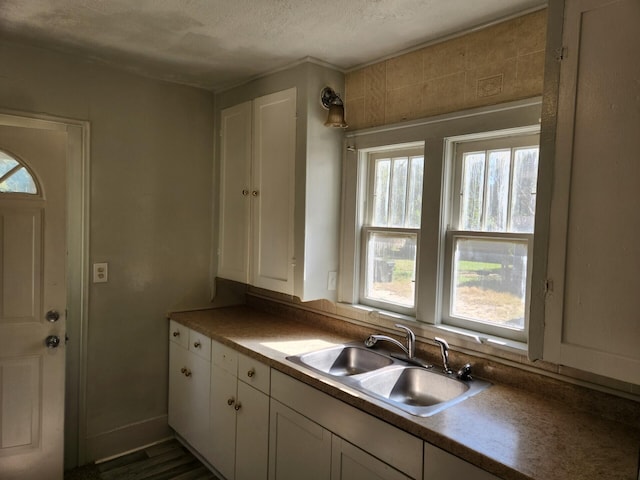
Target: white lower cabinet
[440,465]
[307,426]
[348,462]
[239,415]
[189,377]
[298,447]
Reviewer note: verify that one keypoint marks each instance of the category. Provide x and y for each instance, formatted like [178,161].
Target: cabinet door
[273,181]
[591,315]
[440,465]
[189,378]
[298,447]
[235,192]
[223,421]
[350,463]
[252,434]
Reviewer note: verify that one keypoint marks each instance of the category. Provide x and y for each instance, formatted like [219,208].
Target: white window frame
[437,134]
[455,148]
[369,157]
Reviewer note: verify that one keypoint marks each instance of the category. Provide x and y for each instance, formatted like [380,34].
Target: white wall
[151,169]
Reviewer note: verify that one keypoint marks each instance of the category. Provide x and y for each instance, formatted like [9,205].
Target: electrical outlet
[332,281]
[100,272]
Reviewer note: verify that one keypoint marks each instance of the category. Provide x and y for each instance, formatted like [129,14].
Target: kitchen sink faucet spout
[409,350]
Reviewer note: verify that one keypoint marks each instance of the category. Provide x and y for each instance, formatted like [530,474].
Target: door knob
[52,341]
[52,316]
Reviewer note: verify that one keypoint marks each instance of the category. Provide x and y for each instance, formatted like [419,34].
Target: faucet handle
[411,340]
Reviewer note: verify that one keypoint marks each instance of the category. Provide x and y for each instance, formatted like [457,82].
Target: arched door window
[15,177]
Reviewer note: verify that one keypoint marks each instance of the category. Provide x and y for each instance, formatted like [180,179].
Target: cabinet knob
[230,401]
[197,344]
[251,373]
[245,192]
[254,193]
[176,333]
[185,371]
[237,406]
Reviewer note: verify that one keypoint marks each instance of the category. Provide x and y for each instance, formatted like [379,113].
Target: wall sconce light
[332,102]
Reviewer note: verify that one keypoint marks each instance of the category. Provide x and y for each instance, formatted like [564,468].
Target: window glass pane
[490,281]
[414,210]
[15,178]
[523,197]
[391,267]
[497,201]
[6,163]
[381,192]
[398,192]
[472,191]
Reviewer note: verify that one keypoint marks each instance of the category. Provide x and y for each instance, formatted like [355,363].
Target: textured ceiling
[216,43]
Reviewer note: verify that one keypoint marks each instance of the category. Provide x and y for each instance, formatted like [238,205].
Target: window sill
[459,339]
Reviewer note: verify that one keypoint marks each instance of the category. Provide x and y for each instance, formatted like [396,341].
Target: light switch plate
[100,272]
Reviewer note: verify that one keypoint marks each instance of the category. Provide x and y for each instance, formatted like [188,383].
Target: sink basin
[344,360]
[416,390]
[414,386]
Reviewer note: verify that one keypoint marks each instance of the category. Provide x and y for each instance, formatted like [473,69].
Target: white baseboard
[127,438]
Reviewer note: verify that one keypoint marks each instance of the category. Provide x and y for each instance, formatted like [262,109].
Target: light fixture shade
[335,117]
[332,102]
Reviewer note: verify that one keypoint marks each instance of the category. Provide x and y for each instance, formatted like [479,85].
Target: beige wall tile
[532,32]
[497,64]
[444,58]
[443,94]
[354,112]
[404,103]
[404,70]
[491,83]
[354,84]
[493,44]
[530,74]
[375,92]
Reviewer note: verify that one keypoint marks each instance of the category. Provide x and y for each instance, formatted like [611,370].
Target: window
[14,177]
[391,228]
[490,235]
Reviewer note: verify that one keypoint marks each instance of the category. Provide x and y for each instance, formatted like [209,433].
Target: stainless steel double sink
[415,390]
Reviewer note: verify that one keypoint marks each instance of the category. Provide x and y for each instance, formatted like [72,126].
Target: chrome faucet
[444,352]
[409,350]
[464,373]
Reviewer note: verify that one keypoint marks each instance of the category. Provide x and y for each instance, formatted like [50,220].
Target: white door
[32,283]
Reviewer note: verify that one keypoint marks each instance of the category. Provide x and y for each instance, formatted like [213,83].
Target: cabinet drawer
[200,345]
[254,373]
[178,333]
[224,357]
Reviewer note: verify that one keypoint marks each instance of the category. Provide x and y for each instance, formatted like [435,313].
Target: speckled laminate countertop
[509,432]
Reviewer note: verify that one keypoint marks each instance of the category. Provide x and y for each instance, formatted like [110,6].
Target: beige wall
[494,65]
[151,169]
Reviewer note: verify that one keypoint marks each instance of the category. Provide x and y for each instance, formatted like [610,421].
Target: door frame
[78,184]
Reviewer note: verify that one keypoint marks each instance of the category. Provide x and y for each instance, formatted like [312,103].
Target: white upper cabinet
[235,192]
[273,190]
[280,171]
[592,303]
[257,173]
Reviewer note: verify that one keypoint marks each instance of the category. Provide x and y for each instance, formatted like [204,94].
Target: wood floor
[165,461]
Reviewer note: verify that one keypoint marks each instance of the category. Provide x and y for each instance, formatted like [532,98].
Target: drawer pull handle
[176,333]
[231,401]
[237,406]
[251,373]
[185,371]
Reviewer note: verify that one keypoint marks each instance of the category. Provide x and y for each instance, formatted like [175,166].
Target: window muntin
[487,281]
[14,176]
[390,233]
